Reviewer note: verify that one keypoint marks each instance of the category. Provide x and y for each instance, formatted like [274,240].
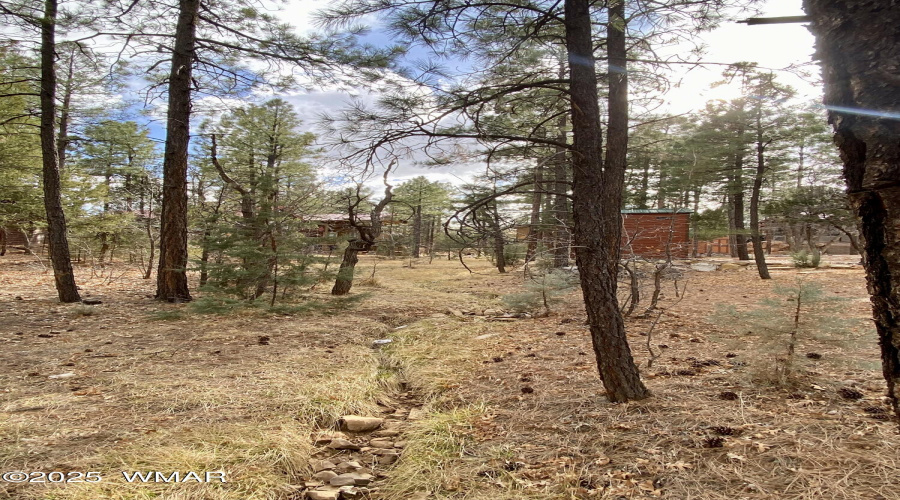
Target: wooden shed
[647,232]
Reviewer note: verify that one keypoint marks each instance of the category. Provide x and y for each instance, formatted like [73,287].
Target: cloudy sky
[775,47]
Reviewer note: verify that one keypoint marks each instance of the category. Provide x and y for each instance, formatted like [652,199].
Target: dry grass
[159,388]
[563,440]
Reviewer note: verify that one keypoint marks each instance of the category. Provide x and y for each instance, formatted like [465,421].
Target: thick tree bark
[56,218]
[171,278]
[758,254]
[597,192]
[858,44]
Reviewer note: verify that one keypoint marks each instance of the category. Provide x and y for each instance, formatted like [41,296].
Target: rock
[349,466]
[342,480]
[63,375]
[381,443]
[492,312]
[730,266]
[355,423]
[362,479]
[394,424]
[388,458]
[342,444]
[380,342]
[91,302]
[386,433]
[326,493]
[416,414]
[399,444]
[352,493]
[320,465]
[351,479]
[324,439]
[704,266]
[325,476]
[455,312]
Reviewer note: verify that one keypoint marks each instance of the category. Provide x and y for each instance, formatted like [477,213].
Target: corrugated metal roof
[656,211]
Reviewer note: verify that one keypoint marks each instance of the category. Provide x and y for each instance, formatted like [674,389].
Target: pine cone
[848,393]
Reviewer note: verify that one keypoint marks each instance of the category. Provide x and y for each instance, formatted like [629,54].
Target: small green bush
[541,292]
[806,259]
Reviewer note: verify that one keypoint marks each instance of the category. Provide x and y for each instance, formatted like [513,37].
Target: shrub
[806,259]
[542,291]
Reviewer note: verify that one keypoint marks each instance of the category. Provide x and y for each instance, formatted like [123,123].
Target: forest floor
[506,408]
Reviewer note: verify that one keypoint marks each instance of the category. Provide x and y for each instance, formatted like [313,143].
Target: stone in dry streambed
[351,457]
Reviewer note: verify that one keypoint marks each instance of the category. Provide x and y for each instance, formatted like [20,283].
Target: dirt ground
[513,406]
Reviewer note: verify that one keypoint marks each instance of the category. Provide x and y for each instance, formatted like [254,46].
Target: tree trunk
[149,269]
[68,88]
[498,241]
[204,255]
[561,252]
[597,193]
[758,254]
[344,280]
[56,218]
[104,247]
[737,202]
[171,278]
[729,211]
[643,194]
[534,225]
[367,238]
[417,231]
[432,222]
[857,42]
[560,201]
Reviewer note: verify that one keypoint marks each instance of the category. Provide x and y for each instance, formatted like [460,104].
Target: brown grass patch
[514,410]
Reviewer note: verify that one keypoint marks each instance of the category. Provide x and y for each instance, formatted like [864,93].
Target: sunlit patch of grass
[416,348]
[82,310]
[258,459]
[432,460]
[167,315]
